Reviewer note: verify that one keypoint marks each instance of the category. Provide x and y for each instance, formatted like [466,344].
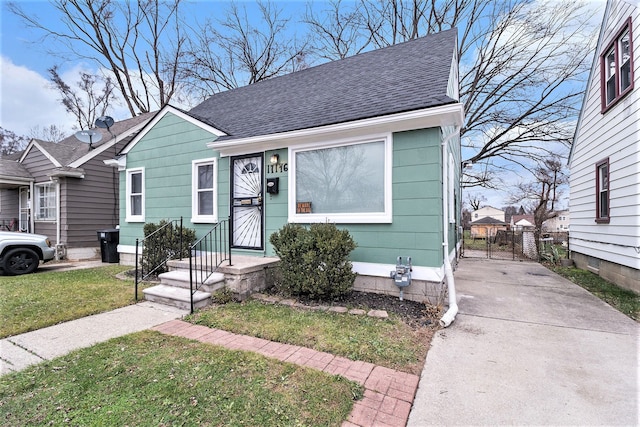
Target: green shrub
[314,261]
[163,242]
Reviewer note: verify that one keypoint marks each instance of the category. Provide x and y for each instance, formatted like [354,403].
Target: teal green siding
[166,153]
[276,205]
[416,229]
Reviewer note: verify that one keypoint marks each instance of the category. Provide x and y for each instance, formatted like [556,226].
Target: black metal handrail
[207,254]
[158,244]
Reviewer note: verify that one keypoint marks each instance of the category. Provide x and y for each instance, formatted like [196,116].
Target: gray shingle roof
[400,78]
[71,149]
[12,169]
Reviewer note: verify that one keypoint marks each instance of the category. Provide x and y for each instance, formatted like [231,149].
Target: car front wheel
[21,261]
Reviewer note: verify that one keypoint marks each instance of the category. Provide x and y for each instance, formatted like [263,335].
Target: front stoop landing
[388,394]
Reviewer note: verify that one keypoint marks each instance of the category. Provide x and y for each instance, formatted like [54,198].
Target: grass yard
[34,301]
[152,379]
[384,342]
[623,300]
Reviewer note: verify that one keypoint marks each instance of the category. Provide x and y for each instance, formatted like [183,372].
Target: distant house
[64,190]
[487,211]
[559,223]
[487,227]
[605,156]
[370,143]
[522,222]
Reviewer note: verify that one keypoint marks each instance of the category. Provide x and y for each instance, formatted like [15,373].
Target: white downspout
[56,181]
[450,315]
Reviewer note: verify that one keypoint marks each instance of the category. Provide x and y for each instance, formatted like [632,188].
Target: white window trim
[344,218]
[195,217]
[38,189]
[129,216]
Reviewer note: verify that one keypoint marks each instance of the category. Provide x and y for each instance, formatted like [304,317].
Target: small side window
[602,191]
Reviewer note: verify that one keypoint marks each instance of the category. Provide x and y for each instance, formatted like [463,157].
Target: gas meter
[402,275]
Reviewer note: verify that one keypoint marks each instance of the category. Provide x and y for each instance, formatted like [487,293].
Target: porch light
[275,158]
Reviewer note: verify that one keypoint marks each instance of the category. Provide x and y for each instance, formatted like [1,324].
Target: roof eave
[444,115]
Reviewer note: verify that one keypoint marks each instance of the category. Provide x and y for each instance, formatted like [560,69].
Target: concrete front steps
[175,289]
[245,276]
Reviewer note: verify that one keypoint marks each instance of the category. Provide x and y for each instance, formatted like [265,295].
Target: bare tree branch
[233,51]
[124,38]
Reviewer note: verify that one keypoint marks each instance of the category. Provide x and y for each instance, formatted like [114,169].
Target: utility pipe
[450,315]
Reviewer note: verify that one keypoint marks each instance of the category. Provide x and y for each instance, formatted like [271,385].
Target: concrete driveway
[529,348]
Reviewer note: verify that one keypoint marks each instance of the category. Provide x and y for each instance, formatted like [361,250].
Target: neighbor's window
[46,202]
[135,195]
[602,191]
[203,187]
[348,182]
[617,67]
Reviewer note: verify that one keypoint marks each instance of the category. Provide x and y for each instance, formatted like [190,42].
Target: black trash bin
[109,240]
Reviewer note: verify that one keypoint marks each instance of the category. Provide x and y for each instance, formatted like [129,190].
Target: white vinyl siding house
[605,157]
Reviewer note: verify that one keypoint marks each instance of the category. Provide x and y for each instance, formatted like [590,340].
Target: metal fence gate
[512,245]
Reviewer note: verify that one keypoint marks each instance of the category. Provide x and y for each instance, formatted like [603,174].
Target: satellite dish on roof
[104,122]
[89,136]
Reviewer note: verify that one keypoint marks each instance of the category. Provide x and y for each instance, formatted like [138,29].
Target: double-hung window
[203,188]
[617,67]
[45,202]
[602,191]
[135,195]
[341,182]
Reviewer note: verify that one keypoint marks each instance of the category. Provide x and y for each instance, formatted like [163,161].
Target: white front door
[25,209]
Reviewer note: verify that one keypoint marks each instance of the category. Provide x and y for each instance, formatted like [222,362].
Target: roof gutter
[444,115]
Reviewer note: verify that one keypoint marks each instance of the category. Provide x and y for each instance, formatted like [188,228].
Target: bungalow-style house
[605,157]
[64,190]
[522,222]
[487,211]
[370,143]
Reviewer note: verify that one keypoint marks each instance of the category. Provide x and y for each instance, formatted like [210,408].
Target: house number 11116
[283,167]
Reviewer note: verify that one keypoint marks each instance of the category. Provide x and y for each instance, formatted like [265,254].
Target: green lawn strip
[152,379]
[34,301]
[623,300]
[385,342]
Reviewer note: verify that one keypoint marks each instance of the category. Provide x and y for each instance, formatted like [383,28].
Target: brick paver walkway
[388,394]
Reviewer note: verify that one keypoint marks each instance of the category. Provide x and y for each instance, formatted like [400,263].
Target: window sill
[603,220]
[204,220]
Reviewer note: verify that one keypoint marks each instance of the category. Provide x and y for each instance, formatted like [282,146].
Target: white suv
[20,253]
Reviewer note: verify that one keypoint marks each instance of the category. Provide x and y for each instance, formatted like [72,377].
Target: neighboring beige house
[605,155]
[487,211]
[486,227]
[558,224]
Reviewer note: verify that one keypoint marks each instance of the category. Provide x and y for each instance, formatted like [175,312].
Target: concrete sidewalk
[528,348]
[20,351]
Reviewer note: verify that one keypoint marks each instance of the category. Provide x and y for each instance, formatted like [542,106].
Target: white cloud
[27,101]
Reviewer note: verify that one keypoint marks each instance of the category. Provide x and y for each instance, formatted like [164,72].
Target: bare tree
[50,133]
[522,67]
[88,102]
[10,142]
[475,201]
[138,43]
[233,51]
[338,30]
[542,193]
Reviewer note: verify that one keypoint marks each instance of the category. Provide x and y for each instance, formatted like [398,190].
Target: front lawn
[152,379]
[385,342]
[34,301]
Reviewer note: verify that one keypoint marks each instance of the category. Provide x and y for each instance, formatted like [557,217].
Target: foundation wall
[621,275]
